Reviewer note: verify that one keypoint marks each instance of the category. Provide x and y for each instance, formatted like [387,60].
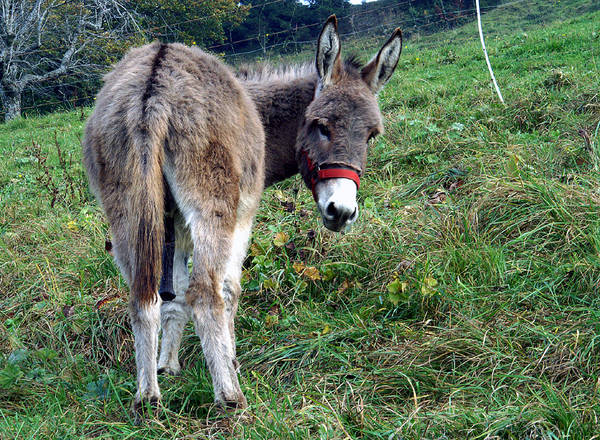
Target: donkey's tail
[146,207]
[146,211]
[147,240]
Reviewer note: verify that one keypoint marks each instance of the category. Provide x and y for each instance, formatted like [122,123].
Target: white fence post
[487,60]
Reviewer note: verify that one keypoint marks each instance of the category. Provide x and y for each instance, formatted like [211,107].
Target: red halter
[327,173]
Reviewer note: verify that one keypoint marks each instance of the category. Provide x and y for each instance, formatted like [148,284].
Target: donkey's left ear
[380,69]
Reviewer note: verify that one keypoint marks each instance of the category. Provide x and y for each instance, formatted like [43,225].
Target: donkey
[178,150]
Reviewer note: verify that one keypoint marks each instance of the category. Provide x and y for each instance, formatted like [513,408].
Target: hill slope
[464,304]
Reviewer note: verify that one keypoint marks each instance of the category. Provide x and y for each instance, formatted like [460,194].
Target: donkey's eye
[324,131]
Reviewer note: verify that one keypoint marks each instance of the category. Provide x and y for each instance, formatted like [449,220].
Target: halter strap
[333,171]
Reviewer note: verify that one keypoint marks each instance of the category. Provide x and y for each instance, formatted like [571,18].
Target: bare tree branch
[41,40]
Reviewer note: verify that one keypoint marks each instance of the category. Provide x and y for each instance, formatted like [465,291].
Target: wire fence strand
[298,45]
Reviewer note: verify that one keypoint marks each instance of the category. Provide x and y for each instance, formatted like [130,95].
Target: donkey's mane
[264,72]
[353,62]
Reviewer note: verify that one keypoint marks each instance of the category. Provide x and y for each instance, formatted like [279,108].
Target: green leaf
[270,284]
[45,354]
[397,291]
[428,286]
[271,320]
[328,274]
[394,298]
[394,286]
[252,285]
[281,238]
[18,356]
[97,390]
[10,375]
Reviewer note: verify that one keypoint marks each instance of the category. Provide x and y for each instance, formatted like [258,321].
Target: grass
[464,304]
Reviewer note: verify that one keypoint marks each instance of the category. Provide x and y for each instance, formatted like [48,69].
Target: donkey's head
[331,146]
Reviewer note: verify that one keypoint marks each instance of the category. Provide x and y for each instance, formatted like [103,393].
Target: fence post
[487,59]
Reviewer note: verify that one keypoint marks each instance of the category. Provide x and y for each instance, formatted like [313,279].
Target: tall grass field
[464,304]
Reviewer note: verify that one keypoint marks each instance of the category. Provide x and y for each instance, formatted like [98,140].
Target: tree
[195,22]
[41,40]
[267,23]
[282,23]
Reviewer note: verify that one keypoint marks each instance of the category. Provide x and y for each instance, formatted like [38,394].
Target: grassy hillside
[464,303]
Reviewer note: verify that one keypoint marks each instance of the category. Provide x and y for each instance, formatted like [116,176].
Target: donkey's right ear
[380,69]
[329,64]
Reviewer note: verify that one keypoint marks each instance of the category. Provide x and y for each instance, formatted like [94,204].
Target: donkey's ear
[380,69]
[328,60]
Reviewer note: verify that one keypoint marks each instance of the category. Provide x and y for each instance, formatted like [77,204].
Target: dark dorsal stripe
[151,82]
[151,85]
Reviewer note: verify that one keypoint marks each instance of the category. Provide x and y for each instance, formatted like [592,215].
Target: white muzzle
[336,200]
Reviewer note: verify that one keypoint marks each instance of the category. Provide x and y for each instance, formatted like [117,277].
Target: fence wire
[417,37]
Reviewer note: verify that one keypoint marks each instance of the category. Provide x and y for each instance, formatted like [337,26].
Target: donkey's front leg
[232,288]
[212,326]
[145,322]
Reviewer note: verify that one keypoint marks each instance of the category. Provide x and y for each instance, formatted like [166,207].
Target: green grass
[464,303]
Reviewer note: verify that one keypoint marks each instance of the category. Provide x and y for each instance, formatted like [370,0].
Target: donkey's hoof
[169,370]
[237,402]
[145,407]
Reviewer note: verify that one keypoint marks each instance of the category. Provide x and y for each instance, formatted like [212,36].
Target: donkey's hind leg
[176,313]
[145,322]
[212,240]
[144,318]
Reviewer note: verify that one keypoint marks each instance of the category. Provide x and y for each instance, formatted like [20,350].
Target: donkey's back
[163,94]
[172,122]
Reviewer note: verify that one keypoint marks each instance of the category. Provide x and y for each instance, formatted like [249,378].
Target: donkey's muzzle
[336,200]
[337,217]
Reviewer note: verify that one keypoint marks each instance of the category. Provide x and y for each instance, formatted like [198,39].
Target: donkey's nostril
[340,213]
[331,210]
